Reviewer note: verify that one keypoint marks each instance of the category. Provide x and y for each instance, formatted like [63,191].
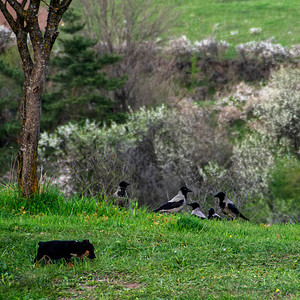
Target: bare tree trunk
[30,113]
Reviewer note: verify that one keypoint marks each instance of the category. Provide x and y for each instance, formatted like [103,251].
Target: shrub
[6,37]
[156,150]
[278,108]
[210,47]
[274,136]
[265,50]
[180,46]
[252,160]
[90,157]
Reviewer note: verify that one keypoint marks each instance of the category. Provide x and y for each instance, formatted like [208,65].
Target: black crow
[212,215]
[228,207]
[120,196]
[176,204]
[196,210]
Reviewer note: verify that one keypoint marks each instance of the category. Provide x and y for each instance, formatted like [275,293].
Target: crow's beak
[190,204]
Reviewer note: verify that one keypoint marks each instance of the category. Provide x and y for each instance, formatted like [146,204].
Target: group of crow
[178,202]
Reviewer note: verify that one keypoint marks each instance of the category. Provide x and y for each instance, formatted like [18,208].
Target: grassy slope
[277,18]
[144,254]
[197,18]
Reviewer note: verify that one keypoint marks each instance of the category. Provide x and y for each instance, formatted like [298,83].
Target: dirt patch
[84,289]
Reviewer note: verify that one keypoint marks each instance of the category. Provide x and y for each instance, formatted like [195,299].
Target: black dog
[64,249]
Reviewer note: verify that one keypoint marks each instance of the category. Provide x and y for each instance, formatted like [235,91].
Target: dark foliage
[79,85]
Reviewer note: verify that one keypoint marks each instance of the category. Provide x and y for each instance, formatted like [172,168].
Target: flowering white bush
[180,46]
[211,47]
[278,107]
[6,36]
[242,94]
[91,159]
[264,50]
[276,131]
[295,50]
[123,135]
[252,160]
[238,105]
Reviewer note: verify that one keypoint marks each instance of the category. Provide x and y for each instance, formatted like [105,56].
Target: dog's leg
[47,259]
[81,257]
[69,262]
[39,259]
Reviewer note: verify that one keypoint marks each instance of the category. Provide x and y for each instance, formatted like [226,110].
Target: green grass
[143,255]
[277,18]
[198,18]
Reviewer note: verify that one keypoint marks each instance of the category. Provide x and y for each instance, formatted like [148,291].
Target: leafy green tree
[80,87]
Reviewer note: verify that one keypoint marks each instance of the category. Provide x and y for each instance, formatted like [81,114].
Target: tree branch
[32,21]
[27,63]
[12,23]
[64,6]
[17,7]
[23,3]
[56,11]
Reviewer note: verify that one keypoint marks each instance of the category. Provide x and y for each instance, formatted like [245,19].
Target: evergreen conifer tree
[80,88]
[11,81]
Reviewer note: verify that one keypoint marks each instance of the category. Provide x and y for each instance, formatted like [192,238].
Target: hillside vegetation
[140,100]
[142,255]
[198,93]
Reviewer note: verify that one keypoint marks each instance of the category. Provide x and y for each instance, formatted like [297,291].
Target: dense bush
[265,50]
[206,48]
[91,158]
[157,150]
[274,136]
[211,47]
[278,107]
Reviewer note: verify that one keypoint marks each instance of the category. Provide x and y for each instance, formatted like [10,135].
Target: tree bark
[30,114]
[35,69]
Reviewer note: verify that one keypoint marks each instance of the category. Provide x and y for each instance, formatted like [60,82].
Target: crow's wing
[169,205]
[233,208]
[199,214]
[216,216]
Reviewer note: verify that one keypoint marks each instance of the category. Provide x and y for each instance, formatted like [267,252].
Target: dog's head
[89,250]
